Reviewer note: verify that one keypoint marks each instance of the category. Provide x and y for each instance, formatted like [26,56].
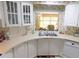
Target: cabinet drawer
[71,50]
[72,44]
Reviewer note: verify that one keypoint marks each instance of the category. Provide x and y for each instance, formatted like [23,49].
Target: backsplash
[18,31]
[2,29]
[24,30]
[0,23]
[3,35]
[72,30]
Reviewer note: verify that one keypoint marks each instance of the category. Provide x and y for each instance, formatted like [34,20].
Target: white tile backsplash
[18,31]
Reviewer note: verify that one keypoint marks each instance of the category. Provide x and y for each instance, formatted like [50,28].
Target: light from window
[48,19]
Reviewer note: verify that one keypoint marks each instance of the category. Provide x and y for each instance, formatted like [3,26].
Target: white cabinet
[32,48]
[8,54]
[27,13]
[56,46]
[12,13]
[50,46]
[2,22]
[18,13]
[20,51]
[43,47]
[0,10]
[71,49]
[71,15]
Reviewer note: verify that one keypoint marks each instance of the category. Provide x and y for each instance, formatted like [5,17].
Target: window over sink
[45,20]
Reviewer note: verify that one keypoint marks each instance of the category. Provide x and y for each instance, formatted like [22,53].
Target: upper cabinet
[27,11]
[12,13]
[2,23]
[17,13]
[71,15]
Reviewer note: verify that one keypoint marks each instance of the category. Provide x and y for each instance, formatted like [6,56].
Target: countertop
[14,41]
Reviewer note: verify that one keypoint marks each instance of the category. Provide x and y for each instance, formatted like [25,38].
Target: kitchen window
[44,20]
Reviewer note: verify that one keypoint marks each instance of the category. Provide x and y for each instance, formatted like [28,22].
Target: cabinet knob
[0,54]
[72,43]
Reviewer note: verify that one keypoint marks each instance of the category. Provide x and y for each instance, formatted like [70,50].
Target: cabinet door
[71,15]
[11,10]
[43,47]
[56,46]
[2,22]
[20,51]
[32,48]
[27,13]
[8,54]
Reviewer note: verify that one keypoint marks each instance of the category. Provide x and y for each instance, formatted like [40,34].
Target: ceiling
[54,2]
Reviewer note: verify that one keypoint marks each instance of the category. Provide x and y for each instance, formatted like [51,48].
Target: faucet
[47,33]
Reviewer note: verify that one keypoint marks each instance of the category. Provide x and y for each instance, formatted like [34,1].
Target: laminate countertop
[14,41]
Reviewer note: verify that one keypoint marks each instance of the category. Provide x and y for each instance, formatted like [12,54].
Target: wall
[72,30]
[50,8]
[38,7]
[61,16]
[22,30]
[19,31]
[61,22]
[14,31]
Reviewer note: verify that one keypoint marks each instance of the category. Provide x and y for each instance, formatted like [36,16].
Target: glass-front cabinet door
[27,10]
[18,13]
[11,13]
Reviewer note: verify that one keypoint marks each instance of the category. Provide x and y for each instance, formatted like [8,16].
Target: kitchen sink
[47,33]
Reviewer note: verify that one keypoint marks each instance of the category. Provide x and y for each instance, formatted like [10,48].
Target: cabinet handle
[72,43]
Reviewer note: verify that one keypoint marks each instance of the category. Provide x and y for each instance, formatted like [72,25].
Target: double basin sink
[48,33]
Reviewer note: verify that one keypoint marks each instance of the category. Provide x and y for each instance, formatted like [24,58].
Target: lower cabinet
[8,54]
[32,48]
[56,46]
[50,46]
[20,51]
[71,50]
[42,47]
